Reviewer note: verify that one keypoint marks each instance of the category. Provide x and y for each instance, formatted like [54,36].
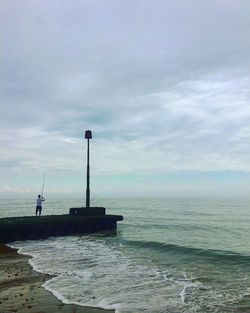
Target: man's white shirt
[39,201]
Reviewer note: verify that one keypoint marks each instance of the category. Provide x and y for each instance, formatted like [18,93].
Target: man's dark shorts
[38,209]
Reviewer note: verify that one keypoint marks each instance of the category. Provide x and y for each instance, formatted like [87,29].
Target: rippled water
[168,255]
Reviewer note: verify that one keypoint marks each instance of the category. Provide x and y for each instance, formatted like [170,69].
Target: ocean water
[168,255]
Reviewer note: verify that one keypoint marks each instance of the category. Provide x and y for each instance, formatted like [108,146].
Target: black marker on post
[88,135]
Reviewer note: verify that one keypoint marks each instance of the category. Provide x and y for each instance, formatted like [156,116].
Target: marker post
[88,135]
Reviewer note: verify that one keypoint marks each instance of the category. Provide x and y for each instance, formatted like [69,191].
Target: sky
[163,86]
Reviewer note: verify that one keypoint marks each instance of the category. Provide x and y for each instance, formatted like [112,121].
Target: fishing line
[43,184]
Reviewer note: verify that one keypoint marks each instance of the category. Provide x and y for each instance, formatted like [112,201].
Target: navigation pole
[88,135]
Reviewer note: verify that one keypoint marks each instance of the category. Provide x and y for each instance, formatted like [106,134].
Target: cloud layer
[162,85]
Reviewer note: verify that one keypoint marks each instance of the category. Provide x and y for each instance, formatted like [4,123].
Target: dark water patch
[182,251]
[172,226]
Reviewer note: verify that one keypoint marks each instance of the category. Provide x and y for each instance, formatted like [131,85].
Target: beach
[21,288]
[168,255]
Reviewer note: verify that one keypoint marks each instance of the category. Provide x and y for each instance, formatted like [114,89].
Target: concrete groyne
[32,227]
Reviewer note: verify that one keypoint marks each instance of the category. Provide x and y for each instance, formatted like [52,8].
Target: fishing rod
[43,184]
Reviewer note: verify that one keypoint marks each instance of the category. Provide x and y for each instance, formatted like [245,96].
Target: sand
[21,288]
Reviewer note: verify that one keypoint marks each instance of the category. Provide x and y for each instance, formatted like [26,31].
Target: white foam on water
[182,294]
[91,273]
[102,304]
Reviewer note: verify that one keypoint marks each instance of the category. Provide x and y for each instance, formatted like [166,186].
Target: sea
[169,255]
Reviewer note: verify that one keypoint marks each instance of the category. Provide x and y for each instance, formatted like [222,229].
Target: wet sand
[21,288]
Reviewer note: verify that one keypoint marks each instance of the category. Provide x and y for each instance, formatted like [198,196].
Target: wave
[172,226]
[211,254]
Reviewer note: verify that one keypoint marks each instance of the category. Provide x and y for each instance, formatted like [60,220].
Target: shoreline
[21,288]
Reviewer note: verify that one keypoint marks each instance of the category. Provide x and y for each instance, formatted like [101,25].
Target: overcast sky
[163,85]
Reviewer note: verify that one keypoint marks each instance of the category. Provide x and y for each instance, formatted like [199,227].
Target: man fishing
[40,199]
[39,204]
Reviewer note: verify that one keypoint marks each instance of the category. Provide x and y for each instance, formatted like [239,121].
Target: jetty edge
[79,221]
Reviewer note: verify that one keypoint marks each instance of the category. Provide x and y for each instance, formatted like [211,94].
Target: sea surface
[169,255]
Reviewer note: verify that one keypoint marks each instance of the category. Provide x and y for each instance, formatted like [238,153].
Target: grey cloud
[162,84]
